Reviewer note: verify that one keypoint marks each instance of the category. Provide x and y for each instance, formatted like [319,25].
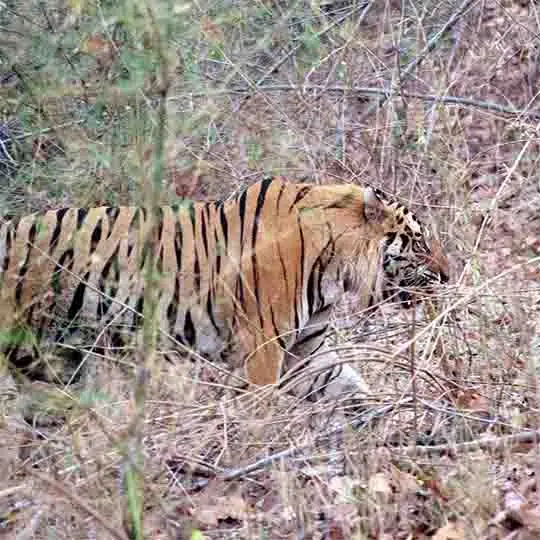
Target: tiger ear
[373,206]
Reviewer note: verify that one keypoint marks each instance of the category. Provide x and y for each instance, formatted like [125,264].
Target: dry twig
[413,64]
[73,497]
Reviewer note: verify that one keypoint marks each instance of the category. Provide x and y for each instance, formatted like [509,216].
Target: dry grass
[289,88]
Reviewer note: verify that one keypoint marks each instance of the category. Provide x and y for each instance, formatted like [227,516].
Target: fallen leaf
[405,482]
[523,512]
[215,509]
[343,487]
[434,486]
[103,49]
[379,485]
[211,30]
[472,401]
[451,531]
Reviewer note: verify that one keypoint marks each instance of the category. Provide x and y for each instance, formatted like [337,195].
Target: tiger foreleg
[325,375]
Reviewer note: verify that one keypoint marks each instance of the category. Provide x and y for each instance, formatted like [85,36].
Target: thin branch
[413,64]
[363,420]
[371,91]
[365,7]
[488,443]
[74,498]
[48,129]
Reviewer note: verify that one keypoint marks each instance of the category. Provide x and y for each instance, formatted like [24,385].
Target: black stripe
[138,313]
[390,238]
[160,218]
[319,266]
[299,196]
[265,184]
[208,215]
[112,215]
[144,253]
[96,235]
[105,302]
[283,268]
[196,262]
[302,253]
[331,375]
[297,302]
[81,215]
[32,234]
[224,224]
[277,332]
[278,198]
[178,241]
[204,232]
[24,268]
[197,272]
[217,252]
[324,264]
[317,388]
[189,329]
[242,214]
[239,288]
[8,248]
[159,264]
[78,299]
[239,291]
[189,207]
[405,239]
[172,308]
[57,228]
[134,223]
[65,261]
[311,288]
[318,333]
[210,312]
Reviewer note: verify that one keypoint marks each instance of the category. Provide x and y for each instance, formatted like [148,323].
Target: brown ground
[470,169]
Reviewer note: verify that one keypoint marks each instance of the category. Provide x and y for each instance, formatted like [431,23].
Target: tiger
[250,281]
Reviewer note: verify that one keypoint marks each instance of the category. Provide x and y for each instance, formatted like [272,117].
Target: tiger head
[412,259]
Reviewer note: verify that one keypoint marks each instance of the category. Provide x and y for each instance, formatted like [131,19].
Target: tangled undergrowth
[433,102]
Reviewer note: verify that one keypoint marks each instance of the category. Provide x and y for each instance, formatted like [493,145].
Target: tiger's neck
[333,219]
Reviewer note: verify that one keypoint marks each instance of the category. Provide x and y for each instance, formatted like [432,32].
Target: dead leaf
[434,486]
[215,509]
[451,531]
[471,401]
[45,148]
[521,511]
[406,483]
[343,487]
[211,30]
[334,532]
[104,50]
[533,243]
[379,486]
[94,45]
